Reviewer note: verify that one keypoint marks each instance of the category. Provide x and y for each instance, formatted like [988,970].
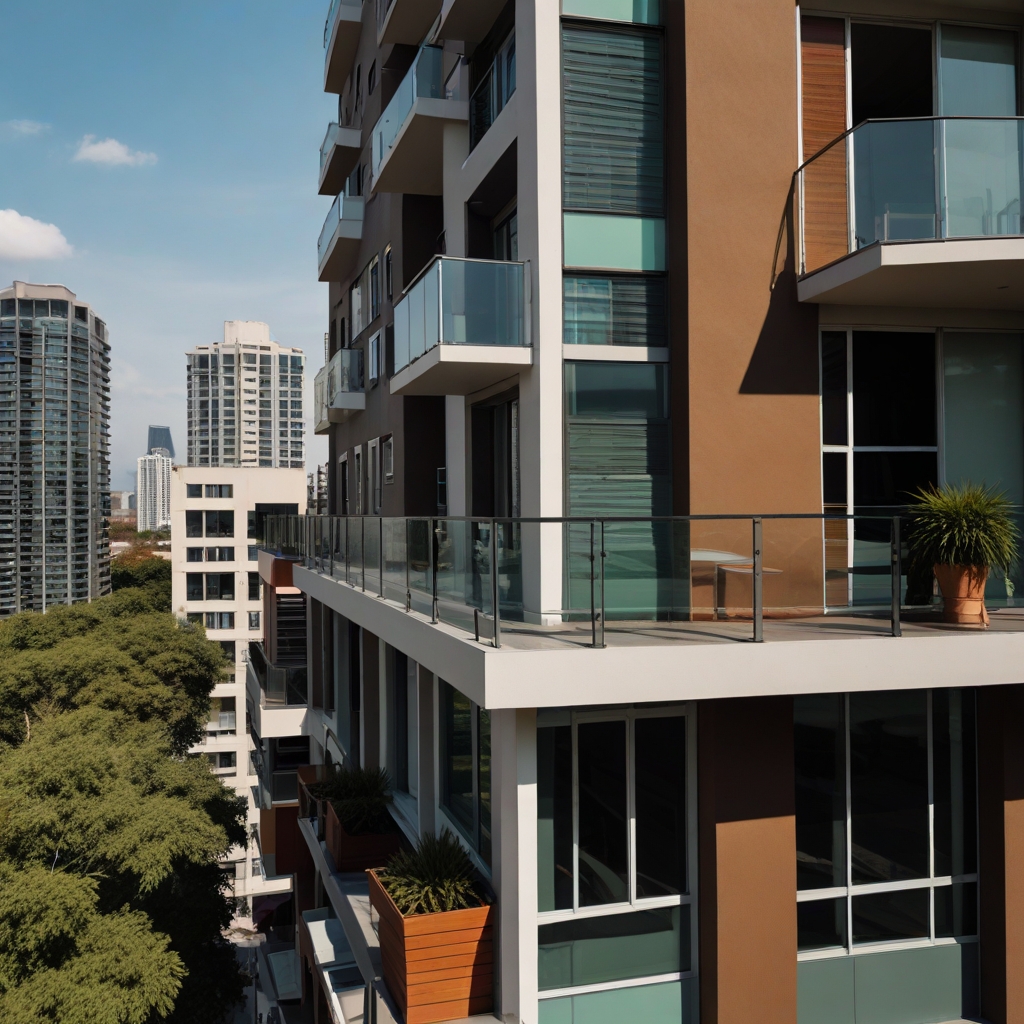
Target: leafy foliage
[143,569]
[360,797]
[963,524]
[435,877]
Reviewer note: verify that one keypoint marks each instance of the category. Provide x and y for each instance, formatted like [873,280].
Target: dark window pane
[615,311]
[457,761]
[603,855]
[891,71]
[195,490]
[821,924]
[195,554]
[194,523]
[883,916]
[956,910]
[889,785]
[820,755]
[594,950]
[955,757]
[833,478]
[893,388]
[254,586]
[617,391]
[888,479]
[554,818]
[220,523]
[833,388]
[194,585]
[660,806]
[484,782]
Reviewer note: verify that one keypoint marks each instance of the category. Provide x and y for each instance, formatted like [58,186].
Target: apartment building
[153,475]
[245,400]
[645,319]
[215,515]
[54,449]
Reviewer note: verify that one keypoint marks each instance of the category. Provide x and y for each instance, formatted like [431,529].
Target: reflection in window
[603,815]
[466,767]
[616,310]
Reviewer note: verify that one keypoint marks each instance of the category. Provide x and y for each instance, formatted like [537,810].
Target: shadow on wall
[785,359]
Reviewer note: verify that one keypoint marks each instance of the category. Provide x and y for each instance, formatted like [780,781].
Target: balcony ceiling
[460,369]
[469,20]
[342,47]
[408,21]
[415,163]
[343,157]
[965,273]
[343,250]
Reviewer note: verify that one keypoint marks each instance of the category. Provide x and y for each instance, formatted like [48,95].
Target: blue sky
[175,147]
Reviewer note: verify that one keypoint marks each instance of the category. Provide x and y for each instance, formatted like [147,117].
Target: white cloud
[111,153]
[25,127]
[24,238]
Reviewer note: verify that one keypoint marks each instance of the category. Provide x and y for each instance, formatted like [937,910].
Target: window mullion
[849,827]
[931,821]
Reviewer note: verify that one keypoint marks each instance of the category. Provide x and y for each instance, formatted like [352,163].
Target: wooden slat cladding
[823,77]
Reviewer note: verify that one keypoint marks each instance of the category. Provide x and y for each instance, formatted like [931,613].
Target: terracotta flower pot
[437,967]
[963,593]
[357,853]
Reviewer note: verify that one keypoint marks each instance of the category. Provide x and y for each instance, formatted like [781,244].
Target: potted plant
[962,531]
[358,827]
[436,920]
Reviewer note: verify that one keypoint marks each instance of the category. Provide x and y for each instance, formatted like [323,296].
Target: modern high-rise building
[160,437]
[646,322]
[154,490]
[245,400]
[54,449]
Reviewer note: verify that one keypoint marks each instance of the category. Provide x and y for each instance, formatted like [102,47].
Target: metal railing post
[380,556]
[330,541]
[348,551]
[757,582]
[600,613]
[362,548]
[897,628]
[408,588]
[593,606]
[494,584]
[433,571]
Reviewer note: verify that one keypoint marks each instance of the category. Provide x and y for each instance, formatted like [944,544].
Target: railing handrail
[325,147]
[440,258]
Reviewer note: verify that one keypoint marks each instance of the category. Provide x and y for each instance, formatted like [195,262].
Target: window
[220,554]
[194,490]
[612,92]
[388,282]
[228,647]
[193,523]
[506,238]
[886,818]
[194,554]
[615,310]
[388,449]
[254,620]
[615,822]
[220,523]
[220,620]
[466,767]
[220,490]
[194,586]
[254,553]
[402,725]
[220,586]
[373,370]
[371,79]
[495,89]
[195,617]
[254,586]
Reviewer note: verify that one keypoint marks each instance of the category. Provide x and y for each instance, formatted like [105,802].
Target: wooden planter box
[438,967]
[357,853]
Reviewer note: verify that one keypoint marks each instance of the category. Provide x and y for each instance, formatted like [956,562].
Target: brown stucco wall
[750,439]
[747,848]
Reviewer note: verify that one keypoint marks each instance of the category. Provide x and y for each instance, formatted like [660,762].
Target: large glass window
[466,767]
[614,889]
[886,818]
[615,310]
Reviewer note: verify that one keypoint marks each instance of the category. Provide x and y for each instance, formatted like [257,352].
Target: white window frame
[373,360]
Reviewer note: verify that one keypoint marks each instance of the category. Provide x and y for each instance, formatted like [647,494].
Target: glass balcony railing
[328,144]
[280,685]
[332,13]
[911,180]
[460,302]
[343,375]
[424,80]
[344,208]
[684,578]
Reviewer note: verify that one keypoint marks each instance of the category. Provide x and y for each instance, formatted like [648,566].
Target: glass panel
[660,764]
[484,782]
[834,483]
[894,181]
[977,72]
[589,951]
[955,781]
[821,924]
[888,479]
[820,756]
[429,286]
[402,327]
[885,916]
[554,818]
[982,177]
[615,311]
[482,303]
[457,763]
[834,417]
[893,388]
[889,786]
[956,910]
[423,79]
[603,824]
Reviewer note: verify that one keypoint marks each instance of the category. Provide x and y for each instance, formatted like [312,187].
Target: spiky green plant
[360,797]
[963,524]
[435,877]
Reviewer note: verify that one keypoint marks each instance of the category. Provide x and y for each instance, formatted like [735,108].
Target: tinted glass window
[893,388]
[193,523]
[834,429]
[554,813]
[195,490]
[603,814]
[660,761]
[615,311]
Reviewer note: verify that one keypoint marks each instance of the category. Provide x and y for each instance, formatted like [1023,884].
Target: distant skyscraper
[154,490]
[54,449]
[245,400]
[160,437]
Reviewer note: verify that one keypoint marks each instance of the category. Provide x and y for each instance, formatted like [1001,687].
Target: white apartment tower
[245,400]
[154,490]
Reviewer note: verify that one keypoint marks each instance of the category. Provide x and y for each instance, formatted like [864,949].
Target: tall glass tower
[54,449]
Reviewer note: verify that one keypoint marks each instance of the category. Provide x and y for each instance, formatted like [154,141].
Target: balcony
[340,239]
[341,41]
[405,21]
[923,212]
[339,153]
[468,20]
[461,326]
[338,390]
[276,696]
[408,140]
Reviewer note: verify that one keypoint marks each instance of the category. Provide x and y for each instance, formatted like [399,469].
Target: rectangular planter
[437,967]
[357,853]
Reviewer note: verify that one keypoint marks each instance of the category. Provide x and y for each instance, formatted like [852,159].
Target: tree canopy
[112,902]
